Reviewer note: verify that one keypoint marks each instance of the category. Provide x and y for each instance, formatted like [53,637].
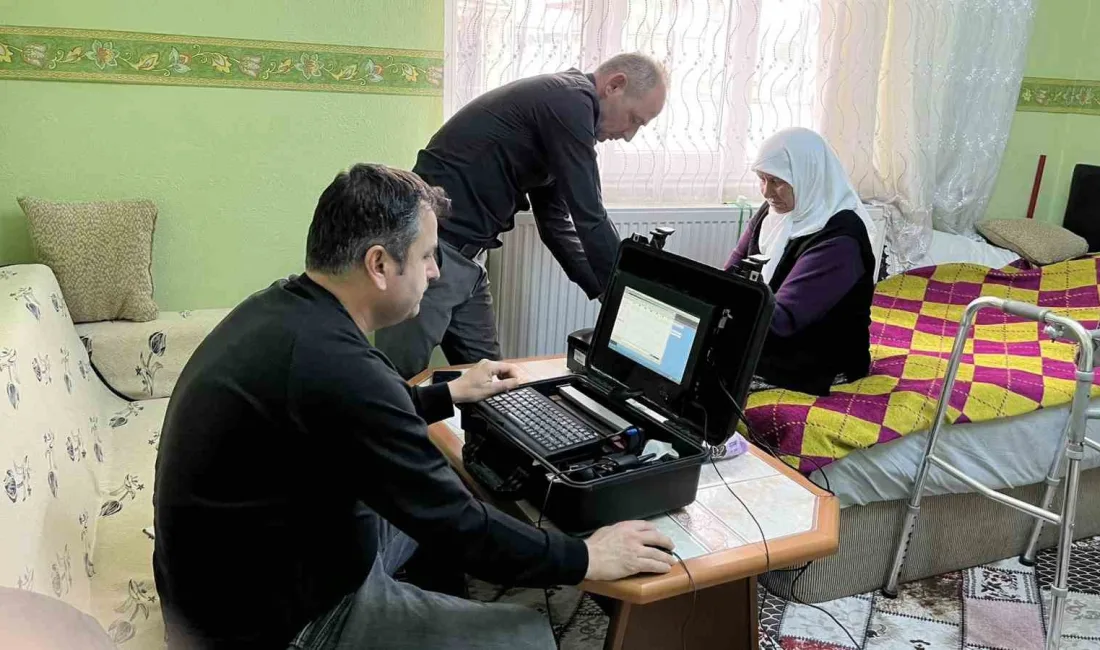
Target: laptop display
[680,336]
[654,334]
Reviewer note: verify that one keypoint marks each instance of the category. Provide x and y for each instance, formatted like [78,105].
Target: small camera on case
[656,239]
[751,268]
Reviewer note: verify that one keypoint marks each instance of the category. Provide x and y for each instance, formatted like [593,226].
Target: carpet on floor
[998,606]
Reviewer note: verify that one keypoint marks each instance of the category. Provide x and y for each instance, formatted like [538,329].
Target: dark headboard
[1083,209]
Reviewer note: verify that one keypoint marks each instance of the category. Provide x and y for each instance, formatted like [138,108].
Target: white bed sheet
[1003,453]
[947,248]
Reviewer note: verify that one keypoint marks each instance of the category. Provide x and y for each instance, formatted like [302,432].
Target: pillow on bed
[1035,241]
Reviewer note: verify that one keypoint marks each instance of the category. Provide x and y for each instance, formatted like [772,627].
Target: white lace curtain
[916,96]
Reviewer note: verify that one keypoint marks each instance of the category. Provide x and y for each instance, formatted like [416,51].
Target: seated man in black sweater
[295,474]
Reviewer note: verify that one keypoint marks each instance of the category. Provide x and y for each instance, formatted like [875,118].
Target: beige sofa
[77,452]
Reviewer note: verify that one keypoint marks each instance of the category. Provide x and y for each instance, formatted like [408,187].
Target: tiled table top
[716,535]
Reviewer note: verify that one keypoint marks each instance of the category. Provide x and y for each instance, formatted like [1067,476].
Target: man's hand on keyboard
[485,379]
[627,548]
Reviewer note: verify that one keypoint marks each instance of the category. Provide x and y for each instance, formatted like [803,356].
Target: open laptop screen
[654,334]
[682,336]
[651,337]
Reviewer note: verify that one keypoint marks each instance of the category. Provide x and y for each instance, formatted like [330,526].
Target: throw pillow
[101,253]
[1037,242]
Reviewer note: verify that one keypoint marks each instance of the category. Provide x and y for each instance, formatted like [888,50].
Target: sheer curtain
[916,96]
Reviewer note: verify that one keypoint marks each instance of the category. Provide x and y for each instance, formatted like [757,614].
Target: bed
[867,438]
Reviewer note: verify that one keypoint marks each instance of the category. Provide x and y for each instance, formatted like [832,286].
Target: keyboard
[543,422]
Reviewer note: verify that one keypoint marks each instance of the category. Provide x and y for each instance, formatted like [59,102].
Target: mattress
[1003,453]
[1008,367]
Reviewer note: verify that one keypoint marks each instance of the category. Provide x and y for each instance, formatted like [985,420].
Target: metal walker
[1072,443]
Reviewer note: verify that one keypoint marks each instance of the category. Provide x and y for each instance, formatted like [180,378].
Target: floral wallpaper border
[1059,96]
[46,53]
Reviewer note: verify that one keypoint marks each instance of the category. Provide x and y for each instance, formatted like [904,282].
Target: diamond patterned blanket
[1008,368]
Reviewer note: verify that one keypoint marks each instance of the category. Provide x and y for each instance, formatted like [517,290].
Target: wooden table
[649,611]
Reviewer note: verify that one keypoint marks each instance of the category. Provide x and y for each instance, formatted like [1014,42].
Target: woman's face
[778,192]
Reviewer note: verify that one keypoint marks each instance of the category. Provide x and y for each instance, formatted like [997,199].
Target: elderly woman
[816,234]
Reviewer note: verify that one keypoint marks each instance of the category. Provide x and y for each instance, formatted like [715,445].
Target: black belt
[469,251]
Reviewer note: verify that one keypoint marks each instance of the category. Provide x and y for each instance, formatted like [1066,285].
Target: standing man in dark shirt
[527,145]
[295,474]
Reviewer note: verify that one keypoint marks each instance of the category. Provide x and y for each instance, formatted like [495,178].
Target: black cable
[546,590]
[767,551]
[763,538]
[791,596]
[794,568]
[759,440]
[557,473]
[827,488]
[694,597]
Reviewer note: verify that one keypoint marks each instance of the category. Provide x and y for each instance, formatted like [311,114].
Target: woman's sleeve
[820,278]
[741,250]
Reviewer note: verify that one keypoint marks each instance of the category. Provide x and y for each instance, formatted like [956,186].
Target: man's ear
[375,263]
[616,83]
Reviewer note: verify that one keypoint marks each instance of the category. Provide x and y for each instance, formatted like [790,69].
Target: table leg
[725,616]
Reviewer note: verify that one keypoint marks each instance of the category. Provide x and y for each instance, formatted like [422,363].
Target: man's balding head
[632,88]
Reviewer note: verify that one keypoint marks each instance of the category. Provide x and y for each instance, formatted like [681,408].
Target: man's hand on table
[484,380]
[626,548]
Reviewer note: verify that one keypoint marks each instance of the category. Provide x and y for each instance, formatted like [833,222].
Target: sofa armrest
[144,360]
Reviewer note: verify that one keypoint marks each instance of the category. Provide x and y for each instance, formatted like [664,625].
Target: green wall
[235,172]
[1063,46]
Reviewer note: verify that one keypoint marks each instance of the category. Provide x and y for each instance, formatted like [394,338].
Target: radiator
[537,306]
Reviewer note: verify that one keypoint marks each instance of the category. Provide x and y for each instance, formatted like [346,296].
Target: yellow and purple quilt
[1008,368]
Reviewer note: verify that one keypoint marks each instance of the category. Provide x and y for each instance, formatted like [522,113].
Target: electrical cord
[791,596]
[694,597]
[763,538]
[546,590]
[542,513]
[802,570]
[759,440]
[767,551]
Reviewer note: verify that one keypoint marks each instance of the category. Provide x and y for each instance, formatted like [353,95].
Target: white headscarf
[803,159]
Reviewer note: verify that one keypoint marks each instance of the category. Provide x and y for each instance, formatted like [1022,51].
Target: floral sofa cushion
[76,466]
[144,360]
[124,595]
[52,452]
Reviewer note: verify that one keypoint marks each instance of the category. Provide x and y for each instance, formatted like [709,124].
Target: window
[740,71]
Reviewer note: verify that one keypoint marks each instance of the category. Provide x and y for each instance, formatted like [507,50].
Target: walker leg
[1059,589]
[1053,478]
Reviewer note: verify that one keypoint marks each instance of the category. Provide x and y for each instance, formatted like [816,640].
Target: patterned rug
[999,606]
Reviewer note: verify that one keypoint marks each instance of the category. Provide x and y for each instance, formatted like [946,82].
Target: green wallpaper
[1058,112]
[1059,96]
[235,173]
[53,54]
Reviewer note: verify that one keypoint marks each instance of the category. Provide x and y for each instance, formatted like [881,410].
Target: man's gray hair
[642,71]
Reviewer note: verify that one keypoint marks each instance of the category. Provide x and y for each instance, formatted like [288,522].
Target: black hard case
[509,470]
